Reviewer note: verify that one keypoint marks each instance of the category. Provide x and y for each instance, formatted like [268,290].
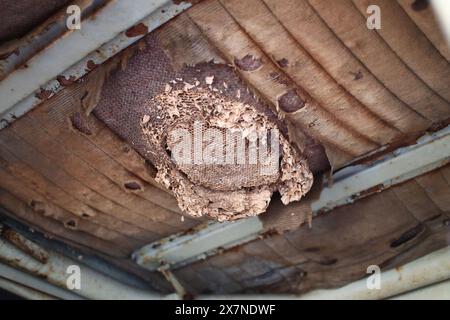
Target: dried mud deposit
[206,104]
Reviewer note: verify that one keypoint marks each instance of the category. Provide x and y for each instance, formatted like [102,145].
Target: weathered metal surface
[40,285]
[197,243]
[123,271]
[430,152]
[93,285]
[438,291]
[23,291]
[98,39]
[430,269]
[19,51]
[25,245]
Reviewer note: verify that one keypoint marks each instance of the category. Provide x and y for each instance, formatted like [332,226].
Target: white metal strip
[186,248]
[439,291]
[68,56]
[34,283]
[430,152]
[23,291]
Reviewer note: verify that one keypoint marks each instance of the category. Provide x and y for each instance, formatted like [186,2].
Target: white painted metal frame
[430,152]
[438,291]
[94,285]
[18,279]
[97,40]
[23,291]
[20,51]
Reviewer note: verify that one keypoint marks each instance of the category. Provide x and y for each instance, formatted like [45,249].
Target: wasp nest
[218,152]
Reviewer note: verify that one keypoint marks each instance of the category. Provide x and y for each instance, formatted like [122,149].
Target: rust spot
[357,75]
[64,81]
[283,63]
[43,94]
[37,206]
[248,63]
[91,65]
[290,101]
[419,5]
[371,190]
[79,124]
[407,236]
[439,125]
[137,30]
[25,245]
[133,185]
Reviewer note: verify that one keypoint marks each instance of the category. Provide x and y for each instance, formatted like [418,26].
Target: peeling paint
[44,94]
[25,245]
[65,81]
